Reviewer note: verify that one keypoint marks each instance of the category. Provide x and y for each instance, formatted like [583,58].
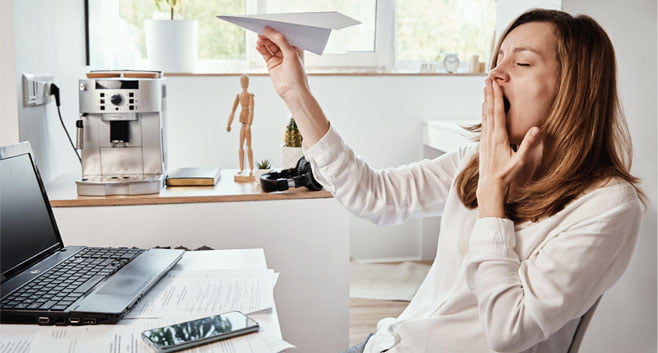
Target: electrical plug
[53,90]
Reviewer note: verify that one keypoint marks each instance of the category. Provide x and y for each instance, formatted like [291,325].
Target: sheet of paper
[231,259]
[205,293]
[126,338]
[306,30]
[15,342]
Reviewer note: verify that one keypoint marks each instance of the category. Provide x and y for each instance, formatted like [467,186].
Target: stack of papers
[191,290]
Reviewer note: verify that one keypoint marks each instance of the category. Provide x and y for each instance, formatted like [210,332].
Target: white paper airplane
[306,30]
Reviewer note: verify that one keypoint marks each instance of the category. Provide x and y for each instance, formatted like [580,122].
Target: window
[428,30]
[393,34]
[218,40]
[351,46]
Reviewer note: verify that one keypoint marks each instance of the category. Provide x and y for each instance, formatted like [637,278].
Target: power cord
[54,91]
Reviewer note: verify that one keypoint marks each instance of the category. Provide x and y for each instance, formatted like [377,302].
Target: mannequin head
[244,81]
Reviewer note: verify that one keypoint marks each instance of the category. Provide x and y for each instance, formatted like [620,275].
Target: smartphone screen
[191,333]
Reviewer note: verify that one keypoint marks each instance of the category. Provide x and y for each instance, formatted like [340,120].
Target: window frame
[383,58]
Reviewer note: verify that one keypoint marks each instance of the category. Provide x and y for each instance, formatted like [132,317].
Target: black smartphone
[201,331]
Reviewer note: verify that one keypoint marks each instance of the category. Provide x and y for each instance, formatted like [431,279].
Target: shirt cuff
[492,238]
[323,152]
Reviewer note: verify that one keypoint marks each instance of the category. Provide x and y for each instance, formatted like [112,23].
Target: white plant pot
[290,156]
[171,45]
[259,172]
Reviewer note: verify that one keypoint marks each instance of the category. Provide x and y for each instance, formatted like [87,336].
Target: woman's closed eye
[523,64]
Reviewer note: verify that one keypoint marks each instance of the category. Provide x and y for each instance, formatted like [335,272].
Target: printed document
[207,293]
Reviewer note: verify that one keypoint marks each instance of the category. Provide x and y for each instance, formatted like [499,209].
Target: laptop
[44,282]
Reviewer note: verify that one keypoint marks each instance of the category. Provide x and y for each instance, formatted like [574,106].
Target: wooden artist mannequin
[246,101]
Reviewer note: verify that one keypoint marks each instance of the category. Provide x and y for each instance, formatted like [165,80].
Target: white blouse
[494,286]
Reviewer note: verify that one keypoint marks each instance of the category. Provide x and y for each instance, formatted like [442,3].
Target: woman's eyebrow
[520,49]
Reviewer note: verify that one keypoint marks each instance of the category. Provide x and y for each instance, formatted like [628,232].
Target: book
[193,177]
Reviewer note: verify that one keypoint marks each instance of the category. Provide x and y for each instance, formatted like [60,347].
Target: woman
[539,219]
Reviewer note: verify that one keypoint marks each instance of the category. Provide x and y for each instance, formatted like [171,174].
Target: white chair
[582,327]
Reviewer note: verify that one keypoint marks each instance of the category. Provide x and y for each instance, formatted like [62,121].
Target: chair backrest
[582,327]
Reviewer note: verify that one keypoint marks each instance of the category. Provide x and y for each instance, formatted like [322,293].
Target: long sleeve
[385,197]
[521,302]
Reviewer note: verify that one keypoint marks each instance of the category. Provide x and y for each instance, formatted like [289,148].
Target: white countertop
[446,135]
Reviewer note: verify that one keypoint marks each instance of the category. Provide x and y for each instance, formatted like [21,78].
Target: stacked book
[194,177]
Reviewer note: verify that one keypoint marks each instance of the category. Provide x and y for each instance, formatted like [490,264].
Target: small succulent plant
[264,164]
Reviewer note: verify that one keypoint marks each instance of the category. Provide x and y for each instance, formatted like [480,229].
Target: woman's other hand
[499,165]
[284,62]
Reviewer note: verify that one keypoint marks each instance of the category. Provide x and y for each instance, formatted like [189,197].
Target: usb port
[89,321]
[74,320]
[44,320]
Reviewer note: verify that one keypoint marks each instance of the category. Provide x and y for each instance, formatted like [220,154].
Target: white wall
[8,116]
[379,116]
[626,319]
[49,39]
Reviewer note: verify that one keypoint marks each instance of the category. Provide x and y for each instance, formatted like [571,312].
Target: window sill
[330,73]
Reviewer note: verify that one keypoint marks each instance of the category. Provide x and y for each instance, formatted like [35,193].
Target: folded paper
[305,30]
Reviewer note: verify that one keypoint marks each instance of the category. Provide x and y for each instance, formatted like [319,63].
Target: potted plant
[291,151]
[171,45]
[262,167]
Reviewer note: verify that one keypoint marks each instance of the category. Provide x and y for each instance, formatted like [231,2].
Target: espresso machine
[121,133]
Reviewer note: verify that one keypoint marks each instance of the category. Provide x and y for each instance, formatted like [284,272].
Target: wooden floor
[365,313]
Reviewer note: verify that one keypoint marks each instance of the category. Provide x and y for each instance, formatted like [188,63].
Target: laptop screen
[26,225]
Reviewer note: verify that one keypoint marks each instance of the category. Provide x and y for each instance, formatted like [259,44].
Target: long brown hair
[586,139]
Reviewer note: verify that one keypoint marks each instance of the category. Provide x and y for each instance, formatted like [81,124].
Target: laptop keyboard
[65,283]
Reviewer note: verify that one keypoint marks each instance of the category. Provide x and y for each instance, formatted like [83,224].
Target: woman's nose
[498,74]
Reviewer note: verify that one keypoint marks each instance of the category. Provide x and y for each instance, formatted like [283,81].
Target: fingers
[280,41]
[498,107]
[262,48]
[528,140]
[494,125]
[488,124]
[267,55]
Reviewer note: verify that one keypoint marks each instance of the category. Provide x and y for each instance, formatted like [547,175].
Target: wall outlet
[36,89]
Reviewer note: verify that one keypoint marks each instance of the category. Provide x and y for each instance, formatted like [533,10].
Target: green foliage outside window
[217,39]
[430,29]
[426,29]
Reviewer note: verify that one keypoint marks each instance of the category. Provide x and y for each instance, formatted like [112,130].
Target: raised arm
[287,73]
[386,197]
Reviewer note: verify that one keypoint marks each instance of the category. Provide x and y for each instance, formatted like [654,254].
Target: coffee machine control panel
[107,96]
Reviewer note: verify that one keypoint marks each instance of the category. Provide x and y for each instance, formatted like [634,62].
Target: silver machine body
[121,135]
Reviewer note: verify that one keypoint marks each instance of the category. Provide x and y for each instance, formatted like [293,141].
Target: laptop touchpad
[124,285]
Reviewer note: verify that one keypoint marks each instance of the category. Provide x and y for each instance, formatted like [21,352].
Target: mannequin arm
[251,109]
[230,117]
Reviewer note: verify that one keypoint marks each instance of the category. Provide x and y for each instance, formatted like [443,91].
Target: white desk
[305,238]
[446,135]
[250,259]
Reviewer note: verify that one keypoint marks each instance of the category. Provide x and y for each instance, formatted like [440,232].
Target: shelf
[62,193]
